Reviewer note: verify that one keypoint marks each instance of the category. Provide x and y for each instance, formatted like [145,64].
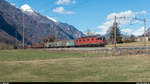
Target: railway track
[102,48]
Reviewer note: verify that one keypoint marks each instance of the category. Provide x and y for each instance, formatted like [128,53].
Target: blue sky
[96,15]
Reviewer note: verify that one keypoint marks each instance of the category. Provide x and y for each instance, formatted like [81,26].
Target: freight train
[88,41]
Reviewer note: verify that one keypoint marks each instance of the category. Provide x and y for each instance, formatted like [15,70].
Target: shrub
[15,47]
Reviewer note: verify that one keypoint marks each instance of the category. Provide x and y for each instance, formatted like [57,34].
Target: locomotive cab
[102,39]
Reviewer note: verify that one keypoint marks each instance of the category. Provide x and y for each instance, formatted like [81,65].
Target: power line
[144,20]
[115,28]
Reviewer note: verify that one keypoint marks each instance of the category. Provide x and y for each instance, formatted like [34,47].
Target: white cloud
[128,13]
[142,12]
[62,2]
[139,31]
[66,2]
[105,27]
[127,30]
[74,1]
[61,10]
[110,19]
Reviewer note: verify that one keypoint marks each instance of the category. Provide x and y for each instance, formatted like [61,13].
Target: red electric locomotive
[91,41]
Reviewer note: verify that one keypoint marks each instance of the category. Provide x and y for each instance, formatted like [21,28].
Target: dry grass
[134,44]
[5,46]
[42,66]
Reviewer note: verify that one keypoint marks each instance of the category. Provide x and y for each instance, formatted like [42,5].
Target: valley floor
[51,66]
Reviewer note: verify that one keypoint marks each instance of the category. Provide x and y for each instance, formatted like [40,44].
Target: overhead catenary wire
[115,27]
[144,20]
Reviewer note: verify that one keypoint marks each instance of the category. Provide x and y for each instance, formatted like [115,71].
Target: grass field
[48,66]
[133,44]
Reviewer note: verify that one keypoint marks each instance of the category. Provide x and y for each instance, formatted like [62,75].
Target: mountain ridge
[37,27]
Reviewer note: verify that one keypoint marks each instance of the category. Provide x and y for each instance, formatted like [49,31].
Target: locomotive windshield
[100,38]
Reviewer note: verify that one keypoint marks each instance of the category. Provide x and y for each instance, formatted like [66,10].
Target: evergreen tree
[132,37]
[118,34]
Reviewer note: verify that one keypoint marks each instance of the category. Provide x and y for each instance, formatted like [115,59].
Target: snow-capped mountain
[29,11]
[37,27]
[26,8]
[51,18]
[148,31]
[36,16]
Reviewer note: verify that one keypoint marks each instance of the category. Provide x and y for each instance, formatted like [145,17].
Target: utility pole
[144,20]
[16,38]
[23,30]
[115,28]
[56,35]
[144,32]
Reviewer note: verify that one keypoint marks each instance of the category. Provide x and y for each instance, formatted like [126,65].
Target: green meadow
[53,66]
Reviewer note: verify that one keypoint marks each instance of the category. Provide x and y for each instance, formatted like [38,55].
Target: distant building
[141,39]
[126,38]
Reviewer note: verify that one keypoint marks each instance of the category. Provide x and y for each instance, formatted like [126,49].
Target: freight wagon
[40,45]
[69,43]
[88,41]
